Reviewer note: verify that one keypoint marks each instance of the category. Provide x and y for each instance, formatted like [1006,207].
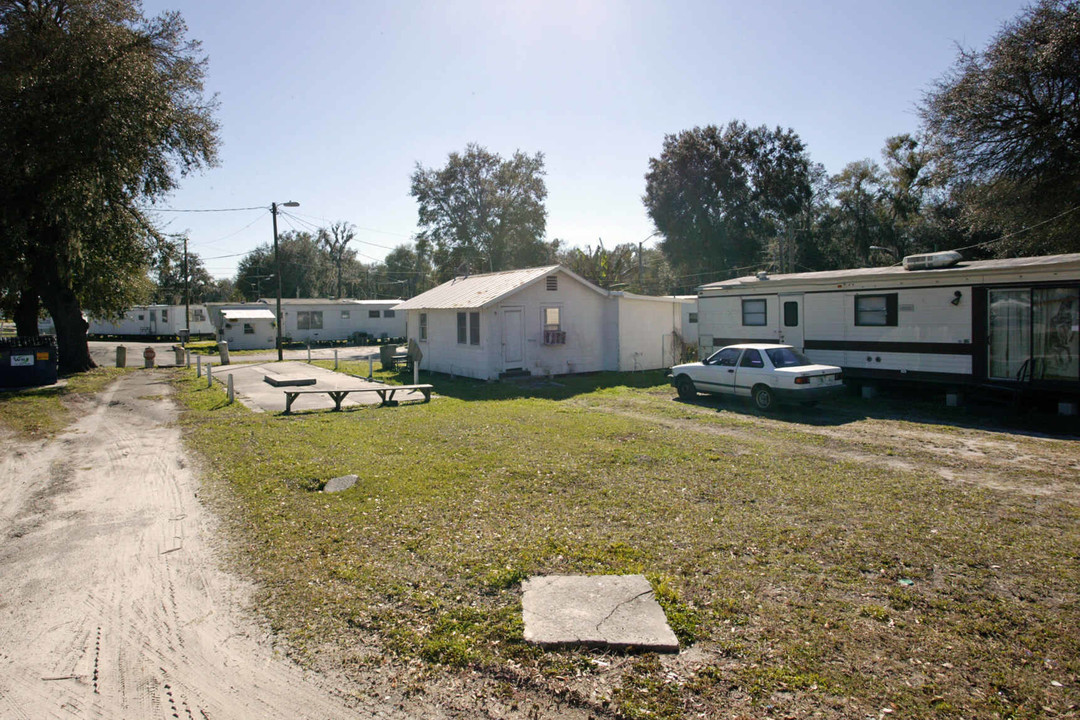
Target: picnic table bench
[385,393]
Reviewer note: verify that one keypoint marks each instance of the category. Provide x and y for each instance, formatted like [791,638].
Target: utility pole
[187,292]
[277,264]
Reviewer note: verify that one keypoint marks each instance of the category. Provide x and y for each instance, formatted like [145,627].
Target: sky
[332,103]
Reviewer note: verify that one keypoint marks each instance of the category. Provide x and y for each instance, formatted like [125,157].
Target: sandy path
[111,601]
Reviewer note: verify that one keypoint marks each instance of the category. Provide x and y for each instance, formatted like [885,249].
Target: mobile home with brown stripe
[1011,323]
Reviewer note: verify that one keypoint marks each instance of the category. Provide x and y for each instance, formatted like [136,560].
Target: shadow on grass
[911,403]
[560,387]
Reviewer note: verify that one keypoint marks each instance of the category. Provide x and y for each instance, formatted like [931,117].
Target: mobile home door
[791,320]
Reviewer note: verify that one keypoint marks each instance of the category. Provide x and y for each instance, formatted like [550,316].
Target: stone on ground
[340,483]
[605,611]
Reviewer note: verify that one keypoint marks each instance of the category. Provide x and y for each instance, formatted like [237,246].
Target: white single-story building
[248,328]
[540,321]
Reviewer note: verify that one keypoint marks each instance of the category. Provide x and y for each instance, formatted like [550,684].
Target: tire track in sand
[111,602]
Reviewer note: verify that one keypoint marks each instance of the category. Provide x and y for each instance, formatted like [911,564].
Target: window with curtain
[1055,336]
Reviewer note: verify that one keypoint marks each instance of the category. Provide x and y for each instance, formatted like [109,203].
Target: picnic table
[385,392]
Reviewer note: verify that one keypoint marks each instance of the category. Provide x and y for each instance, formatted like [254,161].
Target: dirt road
[111,601]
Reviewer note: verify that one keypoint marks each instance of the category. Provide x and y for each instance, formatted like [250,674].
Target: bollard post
[309,353]
[232,392]
[209,374]
[198,366]
[369,367]
[187,359]
[121,356]
[223,349]
[415,373]
[335,360]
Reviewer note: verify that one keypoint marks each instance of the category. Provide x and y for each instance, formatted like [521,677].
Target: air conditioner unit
[932,261]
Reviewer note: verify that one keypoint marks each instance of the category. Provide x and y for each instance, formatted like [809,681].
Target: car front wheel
[685,388]
[763,397]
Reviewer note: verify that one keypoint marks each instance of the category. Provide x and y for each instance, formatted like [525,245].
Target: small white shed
[540,321]
[248,328]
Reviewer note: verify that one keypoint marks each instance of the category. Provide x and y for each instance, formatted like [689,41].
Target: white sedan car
[765,372]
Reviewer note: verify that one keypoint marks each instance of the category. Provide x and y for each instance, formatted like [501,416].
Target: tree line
[102,111]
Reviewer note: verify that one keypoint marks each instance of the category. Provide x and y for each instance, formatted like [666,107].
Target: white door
[513,339]
[791,320]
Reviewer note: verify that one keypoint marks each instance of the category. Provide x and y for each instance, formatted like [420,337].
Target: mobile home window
[309,320]
[791,314]
[373,313]
[474,328]
[462,328]
[388,313]
[198,315]
[753,312]
[344,314]
[164,316]
[423,326]
[692,318]
[875,310]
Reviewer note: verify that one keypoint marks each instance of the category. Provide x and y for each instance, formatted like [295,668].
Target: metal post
[369,366]
[209,373]
[309,353]
[232,392]
[415,373]
[335,360]
[198,366]
[187,358]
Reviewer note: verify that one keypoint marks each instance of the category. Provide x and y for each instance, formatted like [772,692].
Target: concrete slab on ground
[606,611]
[254,392]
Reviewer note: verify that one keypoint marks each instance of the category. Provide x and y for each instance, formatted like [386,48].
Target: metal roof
[477,291]
[253,314]
[1002,265]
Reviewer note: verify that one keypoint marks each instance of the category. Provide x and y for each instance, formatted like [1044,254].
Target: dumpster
[27,361]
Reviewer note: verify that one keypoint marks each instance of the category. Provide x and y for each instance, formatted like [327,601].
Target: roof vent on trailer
[762,275]
[932,261]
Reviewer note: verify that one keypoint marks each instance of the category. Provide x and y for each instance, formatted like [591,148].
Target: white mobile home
[317,319]
[1011,322]
[539,321]
[155,321]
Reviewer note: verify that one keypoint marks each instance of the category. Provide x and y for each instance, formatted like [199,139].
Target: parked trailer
[152,321]
[1010,323]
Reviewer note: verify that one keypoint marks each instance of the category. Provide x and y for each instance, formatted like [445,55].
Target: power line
[202,210]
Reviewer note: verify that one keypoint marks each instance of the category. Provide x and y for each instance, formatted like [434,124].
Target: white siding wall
[924,315]
[443,353]
[130,324]
[264,336]
[689,329]
[582,317]
[645,328]
[336,327]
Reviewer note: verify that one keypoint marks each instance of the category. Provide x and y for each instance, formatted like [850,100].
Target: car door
[717,374]
[753,369]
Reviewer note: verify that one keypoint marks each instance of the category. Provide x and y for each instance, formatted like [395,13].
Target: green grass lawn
[806,575]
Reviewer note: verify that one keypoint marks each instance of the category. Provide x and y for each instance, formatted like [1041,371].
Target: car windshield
[787,357]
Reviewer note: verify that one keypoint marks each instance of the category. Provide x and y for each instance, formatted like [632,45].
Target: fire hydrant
[148,357]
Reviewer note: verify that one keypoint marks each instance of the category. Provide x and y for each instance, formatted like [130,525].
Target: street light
[277,264]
